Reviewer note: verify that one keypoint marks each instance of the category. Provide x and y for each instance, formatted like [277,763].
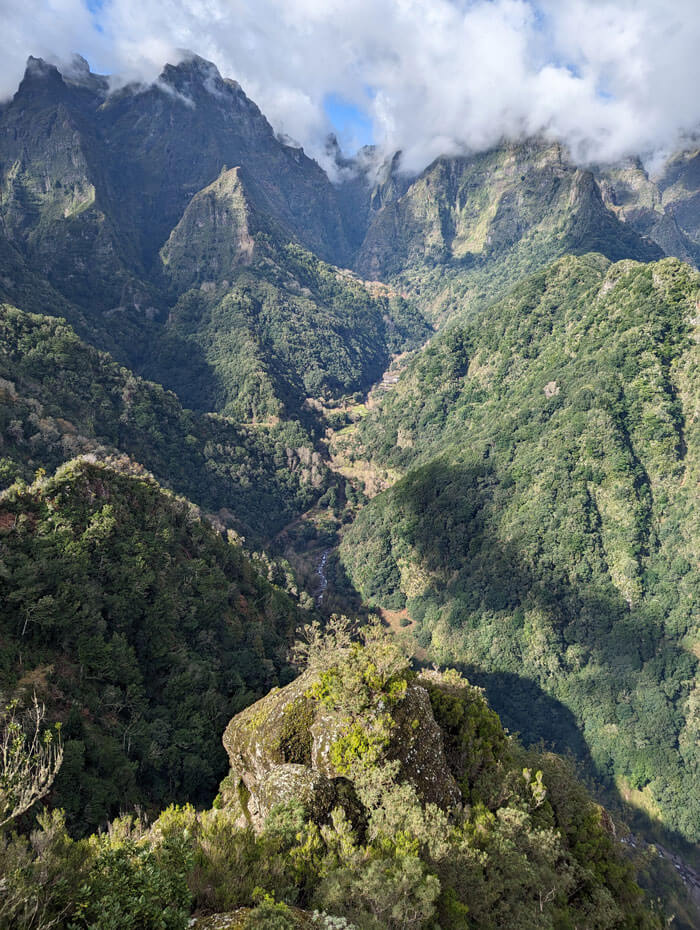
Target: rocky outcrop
[465,213]
[281,749]
[215,235]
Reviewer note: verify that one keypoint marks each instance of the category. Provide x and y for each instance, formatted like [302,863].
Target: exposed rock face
[93,183]
[215,234]
[419,747]
[484,207]
[663,207]
[280,750]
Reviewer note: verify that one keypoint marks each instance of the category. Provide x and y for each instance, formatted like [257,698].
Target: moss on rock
[296,745]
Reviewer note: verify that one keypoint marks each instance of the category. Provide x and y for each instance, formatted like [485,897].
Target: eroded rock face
[281,749]
[418,745]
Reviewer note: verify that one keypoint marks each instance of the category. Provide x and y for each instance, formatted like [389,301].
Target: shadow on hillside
[541,721]
[532,714]
[588,643]
[180,365]
[451,517]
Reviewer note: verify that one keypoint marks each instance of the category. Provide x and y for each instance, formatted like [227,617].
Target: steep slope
[175,137]
[55,205]
[173,229]
[679,185]
[141,628]
[546,525]
[94,182]
[429,813]
[391,800]
[487,220]
[275,323]
[60,398]
[663,207]
[217,232]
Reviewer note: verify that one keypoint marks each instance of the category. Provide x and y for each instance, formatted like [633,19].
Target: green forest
[60,397]
[546,520]
[348,525]
[143,629]
[523,845]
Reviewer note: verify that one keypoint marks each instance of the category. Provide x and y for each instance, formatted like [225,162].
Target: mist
[434,77]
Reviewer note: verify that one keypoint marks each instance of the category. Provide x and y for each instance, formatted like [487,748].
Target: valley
[241,396]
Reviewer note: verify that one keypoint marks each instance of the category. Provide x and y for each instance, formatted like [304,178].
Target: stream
[322,577]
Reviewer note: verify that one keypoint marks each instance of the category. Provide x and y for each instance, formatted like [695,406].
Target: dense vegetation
[187,260]
[524,847]
[60,398]
[467,229]
[142,629]
[542,532]
[290,327]
[547,521]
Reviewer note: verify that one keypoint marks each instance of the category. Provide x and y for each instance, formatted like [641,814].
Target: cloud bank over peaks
[608,78]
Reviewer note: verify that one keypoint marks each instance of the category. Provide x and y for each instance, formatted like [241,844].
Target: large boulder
[281,749]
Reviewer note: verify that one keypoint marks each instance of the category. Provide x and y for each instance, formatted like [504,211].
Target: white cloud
[435,76]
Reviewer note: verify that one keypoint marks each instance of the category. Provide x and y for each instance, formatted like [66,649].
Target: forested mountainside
[60,398]
[546,521]
[363,796]
[191,306]
[288,328]
[141,627]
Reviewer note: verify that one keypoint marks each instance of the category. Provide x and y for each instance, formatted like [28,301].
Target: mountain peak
[41,81]
[74,72]
[77,73]
[193,71]
[79,65]
[39,69]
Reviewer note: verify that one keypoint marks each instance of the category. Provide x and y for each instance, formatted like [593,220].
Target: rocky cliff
[286,747]
[404,803]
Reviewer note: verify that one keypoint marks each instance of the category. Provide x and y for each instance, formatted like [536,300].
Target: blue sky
[353,127]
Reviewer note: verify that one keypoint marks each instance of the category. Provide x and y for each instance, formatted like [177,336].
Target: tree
[30,757]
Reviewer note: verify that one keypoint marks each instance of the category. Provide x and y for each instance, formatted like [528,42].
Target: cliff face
[124,166]
[467,212]
[284,747]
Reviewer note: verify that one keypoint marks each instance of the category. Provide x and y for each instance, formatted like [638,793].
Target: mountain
[60,398]
[468,228]
[189,305]
[162,222]
[120,168]
[276,324]
[141,628]
[545,524]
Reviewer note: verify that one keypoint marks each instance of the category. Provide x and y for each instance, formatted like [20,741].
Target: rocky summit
[281,749]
